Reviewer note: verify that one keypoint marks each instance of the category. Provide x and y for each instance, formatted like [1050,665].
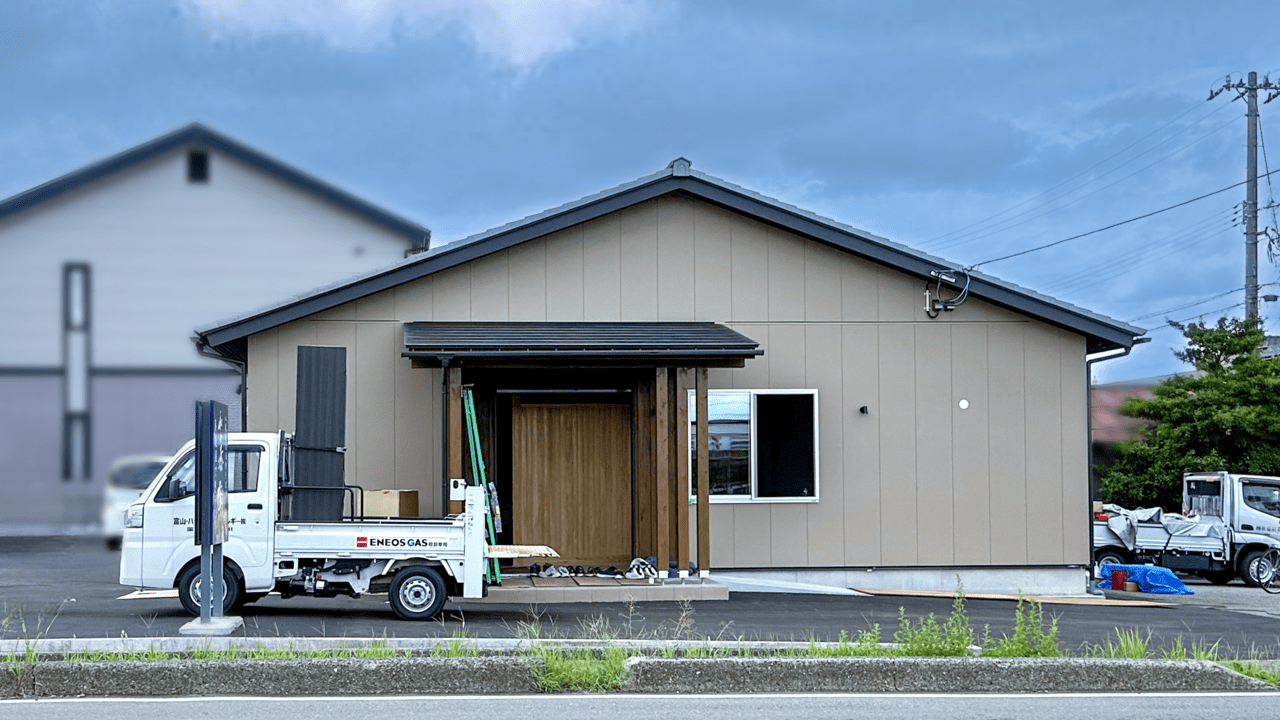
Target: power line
[1114,225]
[1077,175]
[1189,305]
[1116,272]
[1083,197]
[1128,261]
[987,232]
[1222,216]
[1197,317]
[1271,198]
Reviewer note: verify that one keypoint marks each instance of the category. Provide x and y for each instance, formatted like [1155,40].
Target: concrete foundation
[1067,581]
[216,627]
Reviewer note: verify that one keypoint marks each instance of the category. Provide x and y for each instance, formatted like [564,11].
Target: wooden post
[456,428]
[704,476]
[662,468]
[680,488]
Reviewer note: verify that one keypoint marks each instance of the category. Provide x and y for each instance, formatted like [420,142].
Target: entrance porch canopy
[678,353]
[632,344]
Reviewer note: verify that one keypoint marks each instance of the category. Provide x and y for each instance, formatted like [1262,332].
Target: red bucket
[1118,579]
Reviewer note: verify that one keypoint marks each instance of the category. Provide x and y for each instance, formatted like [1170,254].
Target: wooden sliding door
[571,478]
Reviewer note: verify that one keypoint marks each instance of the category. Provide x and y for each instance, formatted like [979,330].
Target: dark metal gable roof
[576,339]
[199,135]
[1103,333]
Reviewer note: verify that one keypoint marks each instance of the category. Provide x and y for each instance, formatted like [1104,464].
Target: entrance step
[522,590]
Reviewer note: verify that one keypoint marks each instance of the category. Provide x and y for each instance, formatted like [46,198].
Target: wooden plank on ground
[1042,599]
[592,581]
[559,582]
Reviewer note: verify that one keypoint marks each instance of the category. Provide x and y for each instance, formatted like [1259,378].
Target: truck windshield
[1262,497]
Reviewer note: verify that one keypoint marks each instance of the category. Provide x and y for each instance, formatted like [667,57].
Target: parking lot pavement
[68,588]
[1234,596]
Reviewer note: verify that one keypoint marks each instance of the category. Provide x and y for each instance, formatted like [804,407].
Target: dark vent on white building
[198,166]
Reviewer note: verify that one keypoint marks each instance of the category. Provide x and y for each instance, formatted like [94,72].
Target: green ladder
[492,513]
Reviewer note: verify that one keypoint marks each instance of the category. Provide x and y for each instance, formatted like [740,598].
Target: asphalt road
[1182,706]
[68,588]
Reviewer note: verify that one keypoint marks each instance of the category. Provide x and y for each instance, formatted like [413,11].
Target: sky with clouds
[969,130]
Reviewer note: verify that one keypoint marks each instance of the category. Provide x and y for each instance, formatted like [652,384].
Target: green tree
[1225,417]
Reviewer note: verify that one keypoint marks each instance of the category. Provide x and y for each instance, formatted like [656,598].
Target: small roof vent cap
[680,167]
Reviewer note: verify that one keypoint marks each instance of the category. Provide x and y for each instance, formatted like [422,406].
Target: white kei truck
[1229,522]
[417,562]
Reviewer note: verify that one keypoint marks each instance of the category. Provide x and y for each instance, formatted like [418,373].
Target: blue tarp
[1154,580]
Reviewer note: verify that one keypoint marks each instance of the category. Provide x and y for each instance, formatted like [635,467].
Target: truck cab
[1248,503]
[159,532]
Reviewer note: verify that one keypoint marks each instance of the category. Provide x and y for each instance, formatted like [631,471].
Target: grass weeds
[1129,644]
[1254,669]
[929,638]
[585,670]
[1029,639]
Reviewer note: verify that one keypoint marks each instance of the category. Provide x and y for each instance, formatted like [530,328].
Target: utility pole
[1249,93]
[1251,204]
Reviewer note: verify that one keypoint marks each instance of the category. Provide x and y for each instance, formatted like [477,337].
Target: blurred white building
[105,272]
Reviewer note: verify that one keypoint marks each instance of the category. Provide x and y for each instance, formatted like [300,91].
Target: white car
[129,477]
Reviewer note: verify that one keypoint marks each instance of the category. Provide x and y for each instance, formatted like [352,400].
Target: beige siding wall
[914,481]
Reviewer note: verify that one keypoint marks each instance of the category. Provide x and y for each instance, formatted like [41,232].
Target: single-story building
[683,368]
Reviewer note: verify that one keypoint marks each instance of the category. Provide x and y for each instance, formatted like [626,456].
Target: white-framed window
[762,445]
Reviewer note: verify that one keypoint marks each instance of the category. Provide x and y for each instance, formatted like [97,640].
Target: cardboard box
[1132,587]
[1097,506]
[391,503]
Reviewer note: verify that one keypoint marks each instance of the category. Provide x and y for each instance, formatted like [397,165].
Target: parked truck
[417,562]
[1229,522]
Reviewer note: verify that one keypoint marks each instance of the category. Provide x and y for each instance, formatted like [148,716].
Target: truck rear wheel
[417,593]
[190,592]
[1109,556]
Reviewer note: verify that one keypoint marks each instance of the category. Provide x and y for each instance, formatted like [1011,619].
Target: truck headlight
[133,516]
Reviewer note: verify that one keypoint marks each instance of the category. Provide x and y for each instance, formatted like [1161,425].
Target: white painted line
[149,594]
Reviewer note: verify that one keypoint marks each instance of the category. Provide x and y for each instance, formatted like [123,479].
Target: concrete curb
[1026,675]
[57,648]
[276,678]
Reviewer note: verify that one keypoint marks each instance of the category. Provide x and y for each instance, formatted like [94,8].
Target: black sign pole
[211,504]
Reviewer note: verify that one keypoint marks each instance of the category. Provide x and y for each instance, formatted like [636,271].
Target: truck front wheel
[1257,568]
[417,593]
[191,593]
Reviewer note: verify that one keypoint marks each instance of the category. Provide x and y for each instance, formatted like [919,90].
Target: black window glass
[784,446]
